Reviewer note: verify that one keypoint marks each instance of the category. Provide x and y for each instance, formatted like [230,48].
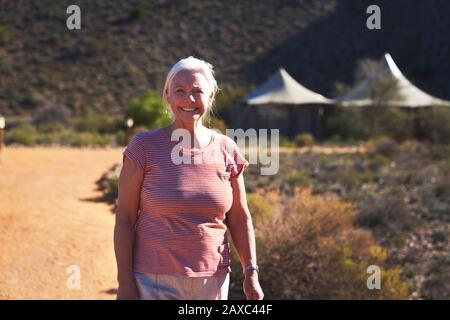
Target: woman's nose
[190,97]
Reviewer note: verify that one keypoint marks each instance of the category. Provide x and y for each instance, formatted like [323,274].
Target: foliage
[148,111]
[304,140]
[311,250]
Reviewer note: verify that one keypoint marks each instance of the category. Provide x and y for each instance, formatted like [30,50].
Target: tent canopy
[281,88]
[411,96]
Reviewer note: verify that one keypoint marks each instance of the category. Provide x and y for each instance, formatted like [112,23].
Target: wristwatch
[252,267]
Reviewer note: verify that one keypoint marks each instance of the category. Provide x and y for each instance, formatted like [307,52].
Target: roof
[411,96]
[281,88]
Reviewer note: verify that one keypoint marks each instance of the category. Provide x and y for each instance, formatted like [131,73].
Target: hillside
[126,47]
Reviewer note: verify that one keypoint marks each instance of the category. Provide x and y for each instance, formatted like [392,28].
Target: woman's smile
[189,109]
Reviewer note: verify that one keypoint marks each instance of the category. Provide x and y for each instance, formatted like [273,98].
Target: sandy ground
[50,221]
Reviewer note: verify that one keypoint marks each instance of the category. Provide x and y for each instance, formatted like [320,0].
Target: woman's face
[189,95]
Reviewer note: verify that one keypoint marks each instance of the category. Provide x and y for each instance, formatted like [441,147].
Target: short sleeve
[239,163]
[135,151]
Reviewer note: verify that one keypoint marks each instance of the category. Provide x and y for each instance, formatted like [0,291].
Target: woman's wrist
[251,270]
[126,280]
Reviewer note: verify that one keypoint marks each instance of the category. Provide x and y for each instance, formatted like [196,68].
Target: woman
[170,233]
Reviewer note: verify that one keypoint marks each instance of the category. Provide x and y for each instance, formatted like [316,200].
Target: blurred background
[363,115]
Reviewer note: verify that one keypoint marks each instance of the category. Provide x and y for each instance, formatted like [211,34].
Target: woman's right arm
[130,181]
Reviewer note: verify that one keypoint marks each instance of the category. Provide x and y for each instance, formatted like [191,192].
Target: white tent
[281,88]
[411,96]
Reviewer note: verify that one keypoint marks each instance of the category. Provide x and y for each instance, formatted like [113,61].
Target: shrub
[311,250]
[442,190]
[433,124]
[304,140]
[84,139]
[386,213]
[4,35]
[398,241]
[120,138]
[148,111]
[383,145]
[437,285]
[352,179]
[138,14]
[347,123]
[297,179]
[92,121]
[261,209]
[24,134]
[378,161]
[52,128]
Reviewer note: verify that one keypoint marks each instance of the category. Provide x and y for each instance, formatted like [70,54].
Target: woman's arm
[130,182]
[239,222]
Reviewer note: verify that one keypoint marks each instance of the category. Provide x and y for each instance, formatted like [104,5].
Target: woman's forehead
[187,78]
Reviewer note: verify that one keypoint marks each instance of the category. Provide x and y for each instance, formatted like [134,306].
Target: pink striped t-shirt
[180,228]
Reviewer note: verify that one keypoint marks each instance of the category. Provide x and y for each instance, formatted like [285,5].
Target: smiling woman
[170,236]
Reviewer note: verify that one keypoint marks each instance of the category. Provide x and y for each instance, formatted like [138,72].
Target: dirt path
[49,221]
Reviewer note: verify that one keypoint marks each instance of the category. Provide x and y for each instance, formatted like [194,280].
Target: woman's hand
[128,291]
[252,289]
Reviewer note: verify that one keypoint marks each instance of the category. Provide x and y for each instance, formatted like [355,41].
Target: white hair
[194,64]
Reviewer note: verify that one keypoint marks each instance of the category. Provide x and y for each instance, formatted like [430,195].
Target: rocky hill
[126,47]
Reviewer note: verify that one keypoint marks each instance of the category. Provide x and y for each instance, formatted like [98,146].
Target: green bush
[148,111]
[297,179]
[138,14]
[304,140]
[398,241]
[378,161]
[261,209]
[92,121]
[84,139]
[48,138]
[434,124]
[24,134]
[52,128]
[362,123]
[4,35]
[383,145]
[113,187]
[120,138]
[352,179]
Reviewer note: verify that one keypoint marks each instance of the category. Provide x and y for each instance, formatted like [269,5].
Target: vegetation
[310,249]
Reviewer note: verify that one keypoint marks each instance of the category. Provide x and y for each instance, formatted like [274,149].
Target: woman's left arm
[239,222]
